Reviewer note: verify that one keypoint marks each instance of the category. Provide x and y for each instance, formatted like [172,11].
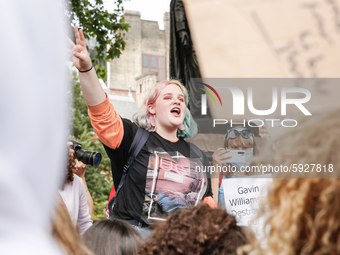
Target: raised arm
[92,90]
[104,119]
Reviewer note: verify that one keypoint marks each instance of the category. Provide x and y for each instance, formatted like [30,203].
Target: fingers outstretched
[82,38]
[81,57]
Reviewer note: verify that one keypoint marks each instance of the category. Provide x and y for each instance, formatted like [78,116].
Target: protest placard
[268,39]
[243,197]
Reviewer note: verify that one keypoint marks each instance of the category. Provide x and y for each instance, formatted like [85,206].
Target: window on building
[153,62]
[145,61]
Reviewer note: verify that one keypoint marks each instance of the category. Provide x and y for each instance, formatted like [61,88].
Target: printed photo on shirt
[172,183]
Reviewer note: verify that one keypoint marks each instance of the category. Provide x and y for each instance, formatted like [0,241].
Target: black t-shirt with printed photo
[162,179]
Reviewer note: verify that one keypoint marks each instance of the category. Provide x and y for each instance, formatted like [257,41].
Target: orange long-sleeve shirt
[107,123]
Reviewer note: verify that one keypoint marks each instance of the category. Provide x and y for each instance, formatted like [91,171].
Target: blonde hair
[302,214]
[143,118]
[65,233]
[245,142]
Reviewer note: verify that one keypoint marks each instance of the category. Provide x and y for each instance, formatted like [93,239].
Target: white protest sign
[243,197]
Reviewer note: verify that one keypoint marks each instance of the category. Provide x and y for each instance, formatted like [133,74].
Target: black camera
[92,158]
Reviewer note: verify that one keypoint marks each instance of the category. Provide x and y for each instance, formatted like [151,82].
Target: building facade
[146,53]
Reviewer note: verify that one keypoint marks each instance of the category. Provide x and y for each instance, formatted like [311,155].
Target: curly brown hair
[70,167]
[302,214]
[197,230]
[303,217]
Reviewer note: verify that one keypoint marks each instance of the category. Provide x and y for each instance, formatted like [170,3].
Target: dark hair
[112,237]
[198,230]
[70,167]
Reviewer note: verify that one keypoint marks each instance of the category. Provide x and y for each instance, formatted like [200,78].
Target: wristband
[86,70]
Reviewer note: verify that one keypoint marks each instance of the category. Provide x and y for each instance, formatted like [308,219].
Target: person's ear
[151,109]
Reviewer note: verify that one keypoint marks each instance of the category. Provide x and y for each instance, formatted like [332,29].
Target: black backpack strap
[138,142]
[197,151]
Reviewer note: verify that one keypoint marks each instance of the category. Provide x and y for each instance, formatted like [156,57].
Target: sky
[149,9]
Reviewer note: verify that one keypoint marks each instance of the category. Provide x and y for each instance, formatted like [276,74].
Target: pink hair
[142,117]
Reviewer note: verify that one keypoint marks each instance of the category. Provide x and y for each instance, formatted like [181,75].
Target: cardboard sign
[259,39]
[243,197]
[268,39]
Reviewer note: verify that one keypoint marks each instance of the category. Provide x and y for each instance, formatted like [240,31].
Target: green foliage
[101,72]
[107,28]
[98,179]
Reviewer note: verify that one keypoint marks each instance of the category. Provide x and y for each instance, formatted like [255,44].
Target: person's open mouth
[176,111]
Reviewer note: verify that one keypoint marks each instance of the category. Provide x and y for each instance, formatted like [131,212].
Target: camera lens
[96,159]
[89,157]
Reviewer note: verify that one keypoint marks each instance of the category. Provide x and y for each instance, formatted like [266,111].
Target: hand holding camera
[92,158]
[80,169]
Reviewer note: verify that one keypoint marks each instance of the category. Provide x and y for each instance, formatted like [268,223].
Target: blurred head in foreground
[302,212]
[65,233]
[198,230]
[112,237]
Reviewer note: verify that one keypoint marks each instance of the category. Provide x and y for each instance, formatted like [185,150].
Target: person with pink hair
[163,177]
